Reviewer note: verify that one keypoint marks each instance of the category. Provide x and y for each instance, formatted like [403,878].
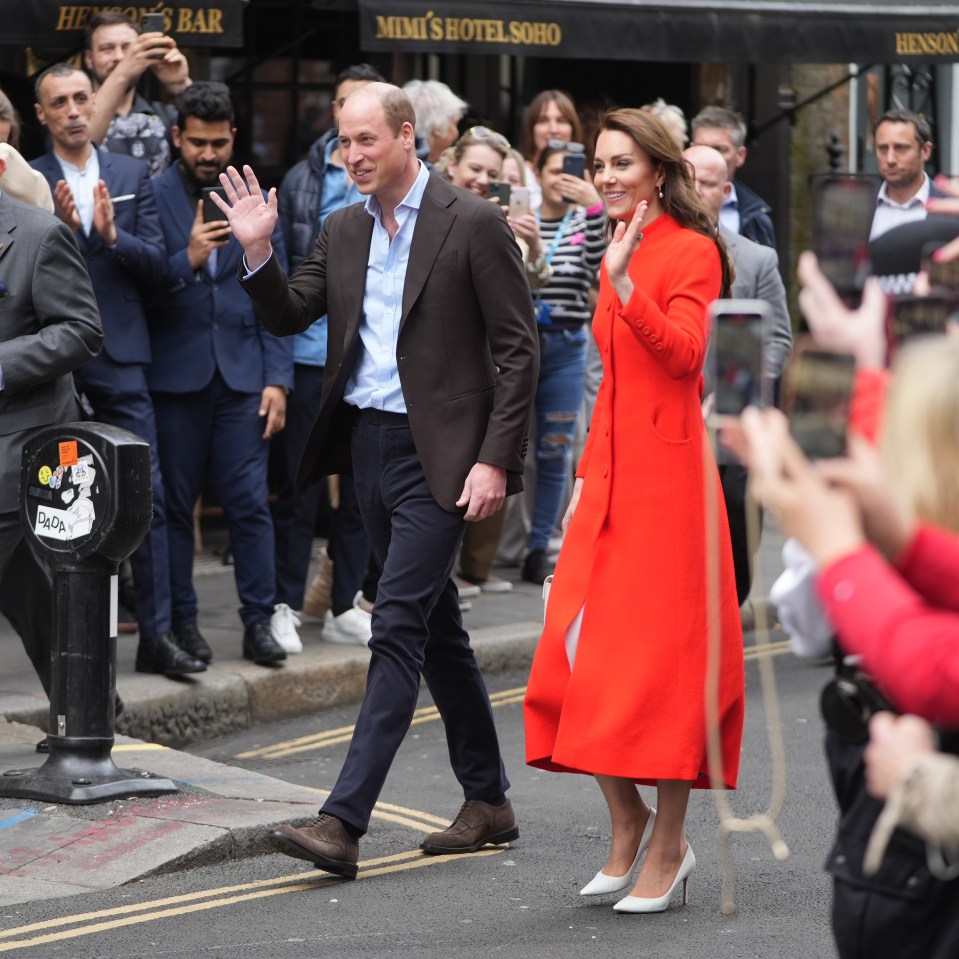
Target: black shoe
[189,637]
[536,567]
[162,655]
[260,645]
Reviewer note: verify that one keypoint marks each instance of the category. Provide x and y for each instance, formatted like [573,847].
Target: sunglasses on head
[567,146]
[485,133]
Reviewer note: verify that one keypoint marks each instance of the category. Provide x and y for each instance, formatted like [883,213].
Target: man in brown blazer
[427,392]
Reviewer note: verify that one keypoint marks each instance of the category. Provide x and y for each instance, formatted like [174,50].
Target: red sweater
[902,620]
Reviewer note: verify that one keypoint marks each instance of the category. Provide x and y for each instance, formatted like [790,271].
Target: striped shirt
[575,262]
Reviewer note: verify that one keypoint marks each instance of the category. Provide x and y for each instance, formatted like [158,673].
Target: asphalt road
[518,901]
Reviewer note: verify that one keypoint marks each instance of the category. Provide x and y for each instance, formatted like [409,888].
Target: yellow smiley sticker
[45,474]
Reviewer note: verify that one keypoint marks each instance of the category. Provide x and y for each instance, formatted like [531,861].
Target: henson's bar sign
[196,23]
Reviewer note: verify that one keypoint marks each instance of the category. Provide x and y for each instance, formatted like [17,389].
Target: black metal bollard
[86,503]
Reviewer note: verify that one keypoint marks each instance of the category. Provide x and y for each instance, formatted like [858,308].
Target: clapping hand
[251,217]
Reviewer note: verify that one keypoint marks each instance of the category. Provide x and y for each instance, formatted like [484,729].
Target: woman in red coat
[617,687]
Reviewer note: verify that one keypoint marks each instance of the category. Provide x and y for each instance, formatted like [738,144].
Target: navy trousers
[220,430]
[417,629]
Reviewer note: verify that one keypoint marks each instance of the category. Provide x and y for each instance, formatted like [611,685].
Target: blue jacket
[123,278]
[201,324]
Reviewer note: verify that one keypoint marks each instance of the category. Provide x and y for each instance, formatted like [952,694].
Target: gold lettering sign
[474,30]
[202,20]
[927,44]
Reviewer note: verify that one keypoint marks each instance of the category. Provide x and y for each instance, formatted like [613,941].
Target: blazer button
[659,347]
[646,331]
[605,472]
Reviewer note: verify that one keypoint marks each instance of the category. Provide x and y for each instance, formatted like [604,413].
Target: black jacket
[754,219]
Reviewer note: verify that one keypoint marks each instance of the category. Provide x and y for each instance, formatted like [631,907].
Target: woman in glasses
[617,687]
[572,223]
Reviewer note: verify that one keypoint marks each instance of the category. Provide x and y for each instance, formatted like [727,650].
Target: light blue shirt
[310,346]
[729,212]
[81,183]
[375,381]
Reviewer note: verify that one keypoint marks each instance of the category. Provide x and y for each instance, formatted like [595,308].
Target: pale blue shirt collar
[411,201]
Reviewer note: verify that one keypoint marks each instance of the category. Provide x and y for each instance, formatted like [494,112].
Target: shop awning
[59,24]
[704,31]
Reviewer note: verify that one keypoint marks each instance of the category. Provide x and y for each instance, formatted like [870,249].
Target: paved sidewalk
[220,812]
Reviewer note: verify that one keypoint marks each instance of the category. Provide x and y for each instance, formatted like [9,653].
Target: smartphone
[817,391]
[501,191]
[918,316]
[734,360]
[944,275]
[519,202]
[843,208]
[211,212]
[575,165]
[153,23]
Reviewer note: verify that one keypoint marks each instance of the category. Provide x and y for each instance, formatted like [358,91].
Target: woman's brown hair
[566,106]
[679,198]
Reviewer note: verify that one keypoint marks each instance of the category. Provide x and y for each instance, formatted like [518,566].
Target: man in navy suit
[218,378]
[107,200]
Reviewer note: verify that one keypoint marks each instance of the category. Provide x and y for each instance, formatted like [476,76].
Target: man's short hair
[900,115]
[106,18]
[724,119]
[359,71]
[207,101]
[57,70]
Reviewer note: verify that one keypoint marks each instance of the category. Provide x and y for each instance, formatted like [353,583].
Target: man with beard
[116,55]
[218,378]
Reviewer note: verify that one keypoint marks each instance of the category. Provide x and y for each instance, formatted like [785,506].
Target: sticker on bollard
[86,504]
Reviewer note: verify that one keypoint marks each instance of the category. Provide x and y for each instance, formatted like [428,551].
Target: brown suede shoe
[476,824]
[324,842]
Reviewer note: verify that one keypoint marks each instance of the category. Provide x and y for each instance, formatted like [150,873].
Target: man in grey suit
[427,393]
[756,278]
[49,326]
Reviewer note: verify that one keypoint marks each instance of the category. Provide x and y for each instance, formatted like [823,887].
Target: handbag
[849,700]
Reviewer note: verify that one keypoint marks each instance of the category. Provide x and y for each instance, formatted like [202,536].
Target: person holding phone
[118,51]
[618,683]
[218,379]
[572,223]
[551,115]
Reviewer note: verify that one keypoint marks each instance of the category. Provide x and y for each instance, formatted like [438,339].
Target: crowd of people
[166,290]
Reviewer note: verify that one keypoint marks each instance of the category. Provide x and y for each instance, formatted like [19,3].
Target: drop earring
[660,193]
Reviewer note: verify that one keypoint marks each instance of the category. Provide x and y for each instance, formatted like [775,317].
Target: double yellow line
[91,923]
[343,734]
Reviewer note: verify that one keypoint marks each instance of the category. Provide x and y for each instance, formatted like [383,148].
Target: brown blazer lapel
[433,223]
[352,241]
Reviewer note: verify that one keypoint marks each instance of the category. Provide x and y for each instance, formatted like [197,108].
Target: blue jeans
[559,396]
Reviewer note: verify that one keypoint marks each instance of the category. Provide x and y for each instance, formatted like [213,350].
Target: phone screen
[737,354]
[918,316]
[501,190]
[211,211]
[818,390]
[843,210]
[519,201]
[940,274]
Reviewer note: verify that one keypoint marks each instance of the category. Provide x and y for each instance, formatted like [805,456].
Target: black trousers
[733,478]
[26,595]
[417,629]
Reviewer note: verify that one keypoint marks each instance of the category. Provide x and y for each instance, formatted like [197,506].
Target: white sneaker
[354,626]
[284,622]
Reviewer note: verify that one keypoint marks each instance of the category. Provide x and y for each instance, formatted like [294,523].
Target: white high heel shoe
[601,884]
[638,904]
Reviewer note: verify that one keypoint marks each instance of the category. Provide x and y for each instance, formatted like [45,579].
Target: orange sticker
[68,453]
